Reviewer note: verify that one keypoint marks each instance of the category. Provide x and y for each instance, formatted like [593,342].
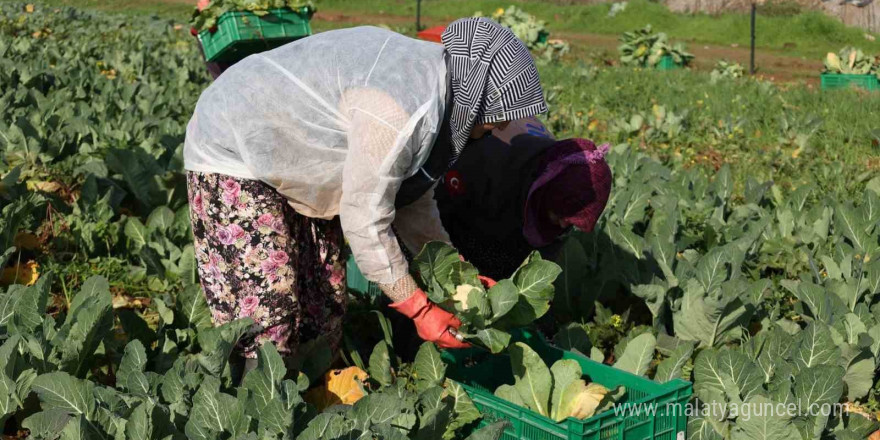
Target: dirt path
[772,65]
[389,19]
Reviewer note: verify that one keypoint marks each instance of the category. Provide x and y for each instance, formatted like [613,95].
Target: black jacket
[482,199]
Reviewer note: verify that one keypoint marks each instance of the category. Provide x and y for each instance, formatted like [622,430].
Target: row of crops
[740,250]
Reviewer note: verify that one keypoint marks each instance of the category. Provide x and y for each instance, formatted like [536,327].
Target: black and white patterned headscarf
[494,78]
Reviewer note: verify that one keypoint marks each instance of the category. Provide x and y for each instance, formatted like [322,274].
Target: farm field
[740,249]
[789,47]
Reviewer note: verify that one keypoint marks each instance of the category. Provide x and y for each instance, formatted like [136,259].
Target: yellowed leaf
[320,398]
[347,384]
[584,404]
[29,8]
[130,302]
[26,273]
[42,185]
[26,240]
[339,387]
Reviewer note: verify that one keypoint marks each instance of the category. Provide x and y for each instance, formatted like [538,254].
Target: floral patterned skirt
[259,258]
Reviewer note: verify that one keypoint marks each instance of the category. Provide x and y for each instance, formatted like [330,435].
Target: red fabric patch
[454,183]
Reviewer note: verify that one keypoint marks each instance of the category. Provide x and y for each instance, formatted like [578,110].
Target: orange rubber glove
[432,322]
[487,282]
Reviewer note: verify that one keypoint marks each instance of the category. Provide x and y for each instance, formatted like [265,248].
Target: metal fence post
[752,59]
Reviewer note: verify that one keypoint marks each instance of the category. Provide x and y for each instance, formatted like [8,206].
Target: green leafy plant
[727,69]
[70,366]
[557,392]
[711,254]
[644,48]
[176,380]
[19,207]
[661,125]
[208,17]
[418,403]
[525,26]
[157,246]
[531,31]
[617,8]
[712,288]
[851,61]
[487,314]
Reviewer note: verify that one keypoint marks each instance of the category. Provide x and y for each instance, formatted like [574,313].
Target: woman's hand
[530,126]
[432,322]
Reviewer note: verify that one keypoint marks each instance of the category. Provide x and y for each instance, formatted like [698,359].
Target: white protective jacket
[335,122]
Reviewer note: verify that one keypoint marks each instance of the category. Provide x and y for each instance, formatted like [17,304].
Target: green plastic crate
[834,81]
[356,282]
[543,36]
[483,373]
[242,33]
[667,63]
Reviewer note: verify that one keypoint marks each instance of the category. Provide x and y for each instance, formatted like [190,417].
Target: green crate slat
[480,380]
[667,63]
[543,36]
[835,81]
[242,33]
[355,280]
